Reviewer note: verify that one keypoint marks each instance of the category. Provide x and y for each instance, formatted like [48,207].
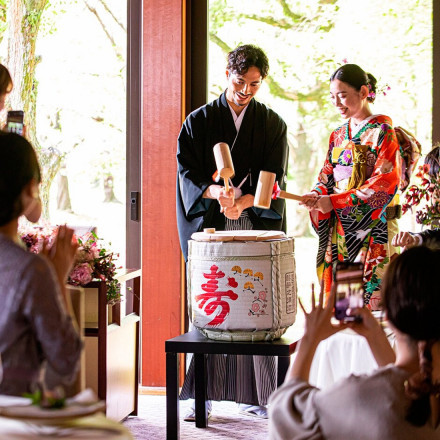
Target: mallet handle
[286,195]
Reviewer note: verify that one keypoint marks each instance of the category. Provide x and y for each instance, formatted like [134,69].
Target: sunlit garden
[76,119]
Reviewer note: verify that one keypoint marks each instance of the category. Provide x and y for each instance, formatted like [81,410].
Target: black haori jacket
[260,145]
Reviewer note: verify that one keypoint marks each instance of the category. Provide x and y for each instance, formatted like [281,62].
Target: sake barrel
[242,284]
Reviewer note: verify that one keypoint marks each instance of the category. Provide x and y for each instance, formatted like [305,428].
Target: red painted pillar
[162,119]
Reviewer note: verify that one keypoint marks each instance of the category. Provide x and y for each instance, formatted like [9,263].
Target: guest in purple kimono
[36,324]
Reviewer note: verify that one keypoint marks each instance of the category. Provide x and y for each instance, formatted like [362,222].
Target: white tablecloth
[339,356]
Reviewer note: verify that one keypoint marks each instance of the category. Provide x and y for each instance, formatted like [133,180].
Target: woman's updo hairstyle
[411,293]
[18,166]
[353,75]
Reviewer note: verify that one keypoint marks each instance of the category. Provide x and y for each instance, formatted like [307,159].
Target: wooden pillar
[436,73]
[161,121]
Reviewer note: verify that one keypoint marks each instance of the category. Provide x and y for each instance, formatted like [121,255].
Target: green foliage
[48,400]
[32,17]
[40,18]
[3,17]
[290,33]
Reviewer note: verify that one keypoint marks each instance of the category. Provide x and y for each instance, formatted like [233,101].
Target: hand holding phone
[15,122]
[349,290]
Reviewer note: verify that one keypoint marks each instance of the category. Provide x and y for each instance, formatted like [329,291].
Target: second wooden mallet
[267,189]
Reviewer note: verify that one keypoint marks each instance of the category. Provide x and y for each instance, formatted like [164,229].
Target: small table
[195,342]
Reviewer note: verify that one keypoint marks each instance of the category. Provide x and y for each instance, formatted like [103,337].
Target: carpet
[224,424]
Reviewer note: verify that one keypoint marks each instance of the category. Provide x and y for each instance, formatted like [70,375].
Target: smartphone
[15,121]
[349,289]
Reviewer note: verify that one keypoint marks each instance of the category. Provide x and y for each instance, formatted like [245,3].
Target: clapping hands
[62,252]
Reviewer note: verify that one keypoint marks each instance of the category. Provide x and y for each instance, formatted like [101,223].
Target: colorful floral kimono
[357,228]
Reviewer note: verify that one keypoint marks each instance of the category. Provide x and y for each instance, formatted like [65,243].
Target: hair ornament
[371,94]
[379,89]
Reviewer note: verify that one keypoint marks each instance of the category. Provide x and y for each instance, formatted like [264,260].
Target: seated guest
[399,401]
[35,321]
[409,239]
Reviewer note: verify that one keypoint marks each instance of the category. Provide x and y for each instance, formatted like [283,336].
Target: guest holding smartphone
[15,118]
[400,400]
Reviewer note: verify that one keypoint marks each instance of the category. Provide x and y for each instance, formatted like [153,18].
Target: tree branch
[104,4]
[274,86]
[104,28]
[282,24]
[277,90]
[288,12]
[95,13]
[219,42]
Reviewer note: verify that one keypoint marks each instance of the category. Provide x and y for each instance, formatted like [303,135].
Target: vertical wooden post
[102,340]
[436,72]
[162,118]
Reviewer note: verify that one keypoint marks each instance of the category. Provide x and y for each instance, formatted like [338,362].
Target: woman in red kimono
[358,182]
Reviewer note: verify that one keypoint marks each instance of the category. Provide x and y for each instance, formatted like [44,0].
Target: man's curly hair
[246,56]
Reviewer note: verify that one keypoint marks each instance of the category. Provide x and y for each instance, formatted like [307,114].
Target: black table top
[196,342]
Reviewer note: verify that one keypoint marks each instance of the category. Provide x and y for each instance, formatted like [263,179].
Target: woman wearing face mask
[35,321]
[348,206]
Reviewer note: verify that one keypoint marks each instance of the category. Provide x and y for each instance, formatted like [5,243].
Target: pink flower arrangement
[92,261]
[34,238]
[428,192]
[81,274]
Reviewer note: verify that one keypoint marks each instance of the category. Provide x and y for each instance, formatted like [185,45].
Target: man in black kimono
[257,138]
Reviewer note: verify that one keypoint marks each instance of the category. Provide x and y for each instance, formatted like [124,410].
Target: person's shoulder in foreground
[400,400]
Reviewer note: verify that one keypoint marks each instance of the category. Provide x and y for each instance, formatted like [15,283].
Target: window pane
[81,113]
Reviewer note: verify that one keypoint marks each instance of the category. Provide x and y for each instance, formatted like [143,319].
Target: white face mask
[32,203]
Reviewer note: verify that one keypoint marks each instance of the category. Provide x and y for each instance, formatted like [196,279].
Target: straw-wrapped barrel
[242,284]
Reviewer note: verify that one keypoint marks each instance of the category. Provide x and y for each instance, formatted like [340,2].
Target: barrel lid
[251,235]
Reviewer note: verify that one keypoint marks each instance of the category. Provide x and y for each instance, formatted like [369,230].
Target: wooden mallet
[266,191]
[223,160]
